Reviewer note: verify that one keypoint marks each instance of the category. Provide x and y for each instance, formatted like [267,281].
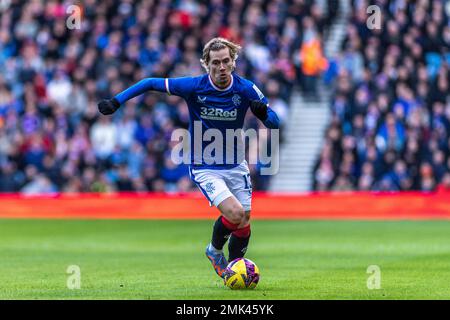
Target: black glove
[108,106]
[259,109]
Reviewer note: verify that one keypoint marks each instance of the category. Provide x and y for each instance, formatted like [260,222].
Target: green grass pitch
[146,259]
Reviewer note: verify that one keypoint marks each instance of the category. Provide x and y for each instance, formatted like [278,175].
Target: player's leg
[232,215]
[237,246]
[238,181]
[216,191]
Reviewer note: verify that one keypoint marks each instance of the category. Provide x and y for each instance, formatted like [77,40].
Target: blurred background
[363,97]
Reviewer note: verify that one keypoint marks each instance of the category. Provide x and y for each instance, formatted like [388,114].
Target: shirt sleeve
[272,121]
[256,94]
[182,87]
[177,86]
[156,84]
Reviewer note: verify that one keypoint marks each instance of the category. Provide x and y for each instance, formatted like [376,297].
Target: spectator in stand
[52,76]
[392,95]
[311,58]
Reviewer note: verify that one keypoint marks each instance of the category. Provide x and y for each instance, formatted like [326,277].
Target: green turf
[165,260]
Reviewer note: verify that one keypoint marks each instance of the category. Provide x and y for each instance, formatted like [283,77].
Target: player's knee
[246,220]
[236,214]
[247,216]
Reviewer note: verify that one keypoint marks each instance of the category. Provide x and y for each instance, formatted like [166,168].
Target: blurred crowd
[390,127]
[54,70]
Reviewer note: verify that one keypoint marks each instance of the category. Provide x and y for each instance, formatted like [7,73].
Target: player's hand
[259,109]
[108,106]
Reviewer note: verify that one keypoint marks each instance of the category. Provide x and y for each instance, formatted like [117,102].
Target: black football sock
[237,247]
[221,232]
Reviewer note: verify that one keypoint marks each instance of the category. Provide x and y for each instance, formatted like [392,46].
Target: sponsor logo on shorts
[210,188]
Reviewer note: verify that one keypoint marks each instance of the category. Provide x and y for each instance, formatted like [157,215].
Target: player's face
[220,67]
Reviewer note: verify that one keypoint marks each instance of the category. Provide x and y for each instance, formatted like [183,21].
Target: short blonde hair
[217,44]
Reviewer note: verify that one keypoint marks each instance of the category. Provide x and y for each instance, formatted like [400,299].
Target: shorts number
[247,181]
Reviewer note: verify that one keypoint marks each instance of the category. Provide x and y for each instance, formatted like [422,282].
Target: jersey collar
[220,89]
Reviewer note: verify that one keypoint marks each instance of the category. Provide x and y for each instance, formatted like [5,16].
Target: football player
[216,100]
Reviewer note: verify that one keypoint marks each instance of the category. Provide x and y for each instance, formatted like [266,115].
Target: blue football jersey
[211,107]
[216,115]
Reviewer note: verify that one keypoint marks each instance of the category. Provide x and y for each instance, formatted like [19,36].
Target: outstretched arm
[177,86]
[155,84]
[109,106]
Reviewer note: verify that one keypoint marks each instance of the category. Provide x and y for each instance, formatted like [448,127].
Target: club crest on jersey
[236,100]
[201,100]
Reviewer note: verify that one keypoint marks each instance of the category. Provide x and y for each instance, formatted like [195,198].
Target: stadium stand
[52,138]
[390,108]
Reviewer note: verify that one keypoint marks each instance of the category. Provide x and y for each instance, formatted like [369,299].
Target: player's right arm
[177,86]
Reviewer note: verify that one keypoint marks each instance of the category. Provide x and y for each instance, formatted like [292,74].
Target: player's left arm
[259,105]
